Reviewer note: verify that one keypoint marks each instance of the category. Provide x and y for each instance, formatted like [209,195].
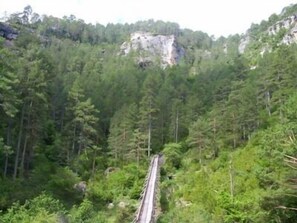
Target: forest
[73,110]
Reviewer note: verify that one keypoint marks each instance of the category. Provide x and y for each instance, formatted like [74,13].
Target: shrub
[42,208]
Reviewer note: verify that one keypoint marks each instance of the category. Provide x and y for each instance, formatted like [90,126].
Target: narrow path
[146,209]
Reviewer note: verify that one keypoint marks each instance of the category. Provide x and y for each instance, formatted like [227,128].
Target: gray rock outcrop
[151,48]
[244,41]
[290,24]
[81,187]
[285,23]
[7,32]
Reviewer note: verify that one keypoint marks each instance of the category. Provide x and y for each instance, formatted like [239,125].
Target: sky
[215,17]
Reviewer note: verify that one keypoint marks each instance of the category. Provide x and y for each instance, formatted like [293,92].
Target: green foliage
[199,137]
[258,174]
[126,182]
[61,184]
[83,212]
[290,109]
[40,209]
[224,127]
[122,133]
[172,154]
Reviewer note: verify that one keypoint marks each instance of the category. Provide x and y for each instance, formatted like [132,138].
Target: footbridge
[146,213]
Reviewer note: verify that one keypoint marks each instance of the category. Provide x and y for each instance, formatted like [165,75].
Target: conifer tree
[199,137]
[82,119]
[148,108]
[122,126]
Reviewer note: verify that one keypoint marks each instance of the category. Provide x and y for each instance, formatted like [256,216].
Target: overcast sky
[215,17]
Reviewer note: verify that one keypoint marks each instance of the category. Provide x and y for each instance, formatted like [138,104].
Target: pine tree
[122,126]
[137,145]
[34,72]
[9,100]
[148,108]
[200,137]
[82,121]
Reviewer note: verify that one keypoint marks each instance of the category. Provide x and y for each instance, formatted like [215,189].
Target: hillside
[84,106]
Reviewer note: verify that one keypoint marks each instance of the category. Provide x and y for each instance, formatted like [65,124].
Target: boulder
[81,186]
[110,206]
[122,204]
[110,170]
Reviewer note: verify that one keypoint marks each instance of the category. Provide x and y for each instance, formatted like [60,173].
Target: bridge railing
[145,190]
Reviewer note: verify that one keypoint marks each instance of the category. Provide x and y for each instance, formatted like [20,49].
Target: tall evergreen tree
[122,126]
[200,137]
[82,119]
[34,73]
[148,108]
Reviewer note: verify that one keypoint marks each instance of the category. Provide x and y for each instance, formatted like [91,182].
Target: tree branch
[286,208]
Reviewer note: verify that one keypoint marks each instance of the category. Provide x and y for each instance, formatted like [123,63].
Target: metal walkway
[146,210]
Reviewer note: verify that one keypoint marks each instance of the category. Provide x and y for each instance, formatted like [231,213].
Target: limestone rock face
[243,44]
[285,23]
[151,48]
[290,24]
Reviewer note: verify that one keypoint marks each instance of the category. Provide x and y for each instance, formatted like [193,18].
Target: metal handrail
[145,189]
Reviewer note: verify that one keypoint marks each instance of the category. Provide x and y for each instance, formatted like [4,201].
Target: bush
[120,183]
[61,185]
[41,208]
[172,154]
[83,212]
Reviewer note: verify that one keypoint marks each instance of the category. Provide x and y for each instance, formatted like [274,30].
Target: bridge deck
[146,210]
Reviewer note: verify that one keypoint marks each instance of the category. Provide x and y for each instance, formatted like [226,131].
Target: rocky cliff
[290,24]
[151,48]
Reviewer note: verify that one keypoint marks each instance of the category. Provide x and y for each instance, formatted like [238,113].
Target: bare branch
[291,158]
[286,208]
[293,167]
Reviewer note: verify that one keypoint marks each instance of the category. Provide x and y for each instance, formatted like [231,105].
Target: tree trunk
[231,174]
[62,119]
[120,153]
[234,131]
[200,153]
[281,115]
[81,145]
[68,156]
[176,127]
[94,163]
[73,139]
[28,125]
[16,162]
[149,137]
[244,133]
[162,127]
[6,164]
[268,103]
[8,143]
[214,138]
[137,155]
[22,166]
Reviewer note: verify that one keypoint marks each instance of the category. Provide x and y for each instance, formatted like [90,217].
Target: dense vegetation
[72,109]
